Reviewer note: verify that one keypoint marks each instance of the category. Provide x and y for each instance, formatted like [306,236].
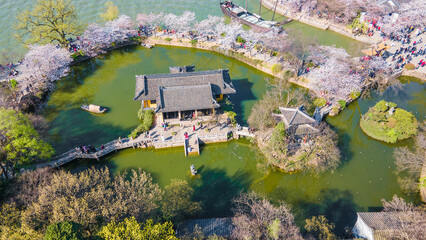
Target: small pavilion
[183,93]
[297,121]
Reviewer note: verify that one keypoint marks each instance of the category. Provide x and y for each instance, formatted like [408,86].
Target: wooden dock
[244,132]
[192,146]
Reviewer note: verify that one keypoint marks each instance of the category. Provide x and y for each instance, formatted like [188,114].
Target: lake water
[364,177]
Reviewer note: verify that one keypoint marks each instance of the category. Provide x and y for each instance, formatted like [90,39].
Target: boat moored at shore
[253,20]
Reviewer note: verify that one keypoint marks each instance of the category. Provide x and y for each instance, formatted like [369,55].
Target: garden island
[218,120]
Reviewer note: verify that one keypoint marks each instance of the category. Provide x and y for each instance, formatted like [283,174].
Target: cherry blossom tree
[334,77]
[408,14]
[96,37]
[182,23]
[253,38]
[150,20]
[124,24]
[228,33]
[207,26]
[47,62]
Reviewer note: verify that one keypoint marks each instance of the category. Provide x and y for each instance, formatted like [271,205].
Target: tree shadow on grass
[216,190]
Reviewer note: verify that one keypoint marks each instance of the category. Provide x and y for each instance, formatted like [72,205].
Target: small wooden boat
[93,108]
[146,45]
[193,171]
[250,19]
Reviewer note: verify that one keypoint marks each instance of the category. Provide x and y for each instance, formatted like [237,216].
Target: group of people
[13,72]
[89,149]
[410,48]
[9,69]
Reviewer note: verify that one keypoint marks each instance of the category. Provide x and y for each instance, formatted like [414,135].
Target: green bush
[82,53]
[193,41]
[75,55]
[381,106]
[355,95]
[147,118]
[320,102]
[276,68]
[240,40]
[391,104]
[63,230]
[406,123]
[232,116]
[168,39]
[13,84]
[226,105]
[409,66]
[113,44]
[342,104]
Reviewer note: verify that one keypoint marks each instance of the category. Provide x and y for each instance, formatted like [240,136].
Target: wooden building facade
[182,94]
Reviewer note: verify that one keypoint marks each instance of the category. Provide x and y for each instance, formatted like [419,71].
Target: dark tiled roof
[211,226]
[295,116]
[183,98]
[381,220]
[304,129]
[147,85]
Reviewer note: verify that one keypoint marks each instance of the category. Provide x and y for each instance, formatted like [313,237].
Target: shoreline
[319,23]
[208,46]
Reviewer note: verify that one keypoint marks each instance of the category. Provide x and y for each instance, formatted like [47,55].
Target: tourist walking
[193,128]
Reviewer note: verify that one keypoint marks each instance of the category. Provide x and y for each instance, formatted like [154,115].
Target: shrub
[342,104]
[288,74]
[381,106]
[168,39]
[13,84]
[75,56]
[409,66]
[227,105]
[276,68]
[232,116]
[355,95]
[147,118]
[391,104]
[82,53]
[320,102]
[113,44]
[193,41]
[406,123]
[240,40]
[63,230]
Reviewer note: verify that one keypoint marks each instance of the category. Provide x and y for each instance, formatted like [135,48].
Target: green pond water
[364,177]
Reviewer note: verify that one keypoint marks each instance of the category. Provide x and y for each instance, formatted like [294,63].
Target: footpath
[320,23]
[252,57]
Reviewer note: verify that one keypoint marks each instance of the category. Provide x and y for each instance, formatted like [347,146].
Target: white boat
[146,45]
[93,108]
[193,171]
[250,19]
